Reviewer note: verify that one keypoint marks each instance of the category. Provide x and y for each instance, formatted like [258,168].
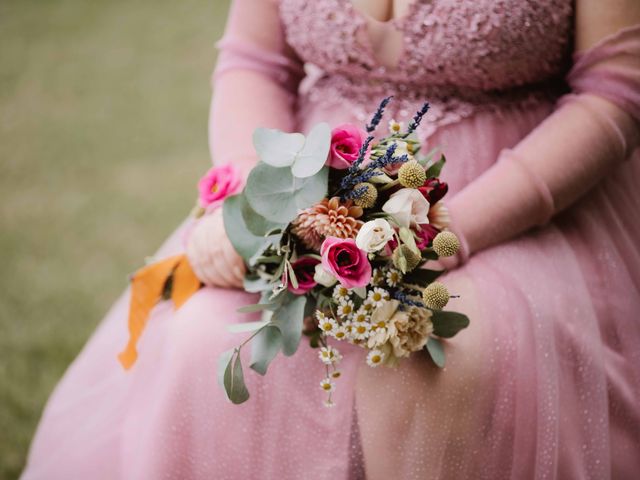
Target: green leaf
[447,324]
[224,360]
[422,276]
[292,276]
[256,307]
[434,170]
[247,326]
[255,284]
[244,242]
[277,195]
[436,350]
[256,223]
[234,380]
[288,318]
[264,348]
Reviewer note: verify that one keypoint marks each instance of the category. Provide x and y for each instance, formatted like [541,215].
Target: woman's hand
[211,254]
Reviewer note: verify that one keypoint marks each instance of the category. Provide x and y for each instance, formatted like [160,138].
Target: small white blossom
[378,296]
[368,306]
[346,309]
[360,330]
[328,325]
[374,235]
[375,358]
[361,315]
[393,277]
[329,355]
[323,277]
[340,333]
[341,293]
[395,127]
[327,385]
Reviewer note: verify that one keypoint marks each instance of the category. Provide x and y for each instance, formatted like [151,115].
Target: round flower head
[435,296]
[345,261]
[360,330]
[368,197]
[412,174]
[345,309]
[446,244]
[375,358]
[378,296]
[340,333]
[393,277]
[362,315]
[374,235]
[328,325]
[341,293]
[395,127]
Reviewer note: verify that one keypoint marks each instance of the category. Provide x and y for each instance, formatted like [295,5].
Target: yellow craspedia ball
[435,296]
[368,198]
[446,244]
[412,174]
[412,258]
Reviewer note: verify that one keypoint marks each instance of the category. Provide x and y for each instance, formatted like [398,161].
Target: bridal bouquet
[335,229]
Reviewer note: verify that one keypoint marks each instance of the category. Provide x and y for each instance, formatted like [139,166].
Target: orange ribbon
[147,285]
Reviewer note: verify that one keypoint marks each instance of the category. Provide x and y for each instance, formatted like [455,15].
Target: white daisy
[328,325]
[360,330]
[375,358]
[341,293]
[341,333]
[329,355]
[327,385]
[378,296]
[395,127]
[367,306]
[361,315]
[393,277]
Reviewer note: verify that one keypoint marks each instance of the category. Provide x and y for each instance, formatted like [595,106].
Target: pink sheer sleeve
[595,127]
[255,82]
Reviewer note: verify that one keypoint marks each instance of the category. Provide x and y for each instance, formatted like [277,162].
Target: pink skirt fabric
[544,383]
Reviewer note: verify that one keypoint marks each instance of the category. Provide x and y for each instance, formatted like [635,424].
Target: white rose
[374,235]
[323,277]
[407,206]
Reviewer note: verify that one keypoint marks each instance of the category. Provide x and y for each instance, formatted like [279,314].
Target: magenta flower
[345,261]
[433,190]
[346,140]
[426,233]
[217,184]
[304,268]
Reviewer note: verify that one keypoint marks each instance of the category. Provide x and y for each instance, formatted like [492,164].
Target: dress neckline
[362,19]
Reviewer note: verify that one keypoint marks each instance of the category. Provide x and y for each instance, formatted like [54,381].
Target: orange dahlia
[329,218]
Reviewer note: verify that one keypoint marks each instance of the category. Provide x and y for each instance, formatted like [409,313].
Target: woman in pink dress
[536,105]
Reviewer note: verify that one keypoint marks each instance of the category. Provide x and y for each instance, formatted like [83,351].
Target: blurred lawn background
[103,115]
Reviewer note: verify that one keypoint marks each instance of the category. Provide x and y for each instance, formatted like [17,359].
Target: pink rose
[304,268]
[217,184]
[343,259]
[346,140]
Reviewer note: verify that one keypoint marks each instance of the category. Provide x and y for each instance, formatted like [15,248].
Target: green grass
[103,112]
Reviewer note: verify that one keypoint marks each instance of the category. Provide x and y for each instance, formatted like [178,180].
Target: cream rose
[323,277]
[374,235]
[407,206]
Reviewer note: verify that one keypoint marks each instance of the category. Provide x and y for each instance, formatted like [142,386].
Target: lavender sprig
[375,121]
[404,298]
[417,118]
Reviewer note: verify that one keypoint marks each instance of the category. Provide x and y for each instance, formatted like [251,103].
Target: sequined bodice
[461,54]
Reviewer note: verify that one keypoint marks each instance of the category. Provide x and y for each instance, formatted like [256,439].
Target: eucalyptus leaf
[288,318]
[436,350]
[243,241]
[256,223]
[277,148]
[234,380]
[256,307]
[292,275]
[245,327]
[255,284]
[277,195]
[223,360]
[447,324]
[264,348]
[314,154]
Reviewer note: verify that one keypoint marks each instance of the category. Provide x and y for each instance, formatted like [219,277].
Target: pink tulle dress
[543,171]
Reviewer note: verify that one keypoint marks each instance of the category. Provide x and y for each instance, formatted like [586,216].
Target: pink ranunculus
[426,232]
[304,268]
[343,259]
[217,184]
[346,140]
